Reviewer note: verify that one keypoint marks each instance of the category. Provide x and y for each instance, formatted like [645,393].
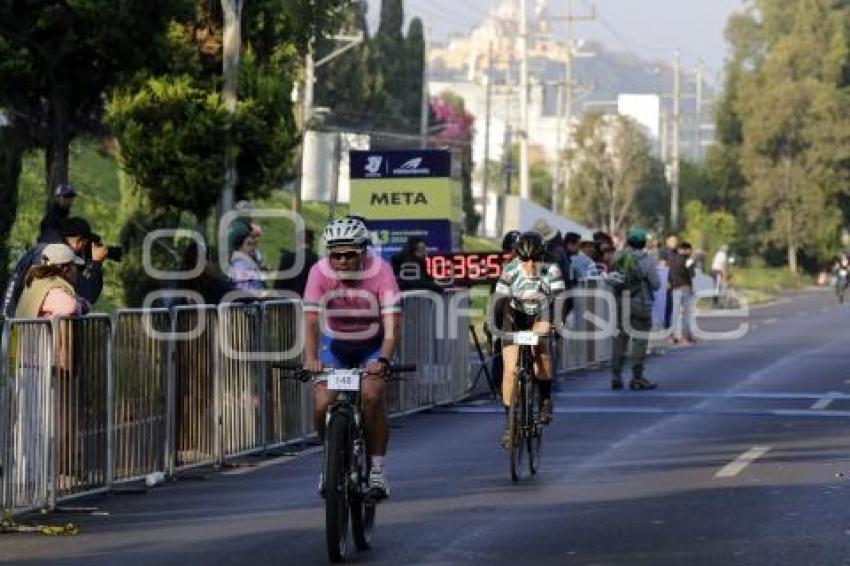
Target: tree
[796,124]
[783,124]
[652,201]
[345,84]
[58,59]
[10,170]
[707,230]
[174,127]
[611,162]
[413,70]
[456,132]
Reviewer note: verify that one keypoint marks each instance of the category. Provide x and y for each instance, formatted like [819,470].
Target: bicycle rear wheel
[516,418]
[363,509]
[534,431]
[338,444]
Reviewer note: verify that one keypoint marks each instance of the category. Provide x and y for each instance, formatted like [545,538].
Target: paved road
[743,457]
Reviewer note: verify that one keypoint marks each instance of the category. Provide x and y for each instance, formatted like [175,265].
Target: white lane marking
[770,321]
[738,465]
[826,401]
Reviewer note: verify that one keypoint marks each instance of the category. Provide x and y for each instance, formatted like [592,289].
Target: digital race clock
[466,268]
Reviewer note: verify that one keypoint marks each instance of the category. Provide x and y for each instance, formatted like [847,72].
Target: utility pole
[423,112]
[565,111]
[487,111]
[524,191]
[698,76]
[556,178]
[507,173]
[675,154]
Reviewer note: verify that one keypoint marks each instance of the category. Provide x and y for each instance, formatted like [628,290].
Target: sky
[653,29]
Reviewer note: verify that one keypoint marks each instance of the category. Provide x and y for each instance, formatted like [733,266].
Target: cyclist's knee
[372,398]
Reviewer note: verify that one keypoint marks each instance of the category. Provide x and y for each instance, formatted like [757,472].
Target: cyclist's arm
[311,339]
[392,329]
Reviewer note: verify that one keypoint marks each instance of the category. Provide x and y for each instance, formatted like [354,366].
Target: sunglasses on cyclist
[339,256]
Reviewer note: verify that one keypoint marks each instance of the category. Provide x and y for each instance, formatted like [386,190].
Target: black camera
[113,253]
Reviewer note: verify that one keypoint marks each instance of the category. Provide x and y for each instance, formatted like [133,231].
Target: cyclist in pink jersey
[352,319]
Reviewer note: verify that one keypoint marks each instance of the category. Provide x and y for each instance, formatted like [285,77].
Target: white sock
[378,463]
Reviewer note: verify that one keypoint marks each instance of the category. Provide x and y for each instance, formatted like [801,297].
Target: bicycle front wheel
[516,421]
[338,443]
[362,507]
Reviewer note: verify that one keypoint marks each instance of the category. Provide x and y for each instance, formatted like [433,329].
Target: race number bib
[526,339]
[344,380]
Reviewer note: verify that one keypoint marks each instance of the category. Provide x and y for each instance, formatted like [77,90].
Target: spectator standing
[666,257]
[411,269]
[49,285]
[59,210]
[287,260]
[681,286]
[719,266]
[245,272]
[76,234]
[636,283]
[583,265]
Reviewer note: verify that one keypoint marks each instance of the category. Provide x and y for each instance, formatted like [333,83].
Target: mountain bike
[526,430]
[348,501]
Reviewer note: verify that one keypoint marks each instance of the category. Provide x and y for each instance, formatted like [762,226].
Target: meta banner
[399,164]
[407,199]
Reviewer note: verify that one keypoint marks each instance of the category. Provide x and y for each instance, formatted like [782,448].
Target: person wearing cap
[245,272]
[77,234]
[49,286]
[59,210]
[636,295]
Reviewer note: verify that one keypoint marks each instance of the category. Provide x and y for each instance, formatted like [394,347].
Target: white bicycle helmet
[346,231]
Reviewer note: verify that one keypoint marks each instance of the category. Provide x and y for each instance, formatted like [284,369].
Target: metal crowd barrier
[140,394]
[26,422]
[289,405]
[82,350]
[194,387]
[91,401]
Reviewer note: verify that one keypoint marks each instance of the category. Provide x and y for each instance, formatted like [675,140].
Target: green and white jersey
[530,293]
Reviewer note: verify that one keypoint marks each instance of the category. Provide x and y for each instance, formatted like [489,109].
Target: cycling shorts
[347,354]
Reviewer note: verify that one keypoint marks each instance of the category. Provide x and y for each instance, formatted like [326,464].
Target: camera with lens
[113,253]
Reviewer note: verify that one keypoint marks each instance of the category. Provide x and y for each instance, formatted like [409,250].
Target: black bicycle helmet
[509,241]
[529,246]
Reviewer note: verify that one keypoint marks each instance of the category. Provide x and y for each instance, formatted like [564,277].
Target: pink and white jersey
[353,307]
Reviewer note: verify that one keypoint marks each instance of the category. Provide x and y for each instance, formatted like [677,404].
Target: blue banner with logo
[391,236]
[395,164]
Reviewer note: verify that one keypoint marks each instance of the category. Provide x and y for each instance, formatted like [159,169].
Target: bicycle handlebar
[303,375]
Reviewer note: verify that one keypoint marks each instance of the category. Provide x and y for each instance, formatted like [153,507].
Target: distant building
[607,82]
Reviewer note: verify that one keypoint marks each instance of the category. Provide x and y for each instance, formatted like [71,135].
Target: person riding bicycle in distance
[525,293]
[352,316]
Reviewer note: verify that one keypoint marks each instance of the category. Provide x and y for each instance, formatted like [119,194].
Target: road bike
[346,466]
[525,428]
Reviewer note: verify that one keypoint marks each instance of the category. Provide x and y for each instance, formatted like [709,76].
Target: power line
[637,46]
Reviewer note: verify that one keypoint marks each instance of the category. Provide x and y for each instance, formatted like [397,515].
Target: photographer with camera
[77,234]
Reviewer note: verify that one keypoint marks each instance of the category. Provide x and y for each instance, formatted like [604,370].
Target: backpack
[629,278]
